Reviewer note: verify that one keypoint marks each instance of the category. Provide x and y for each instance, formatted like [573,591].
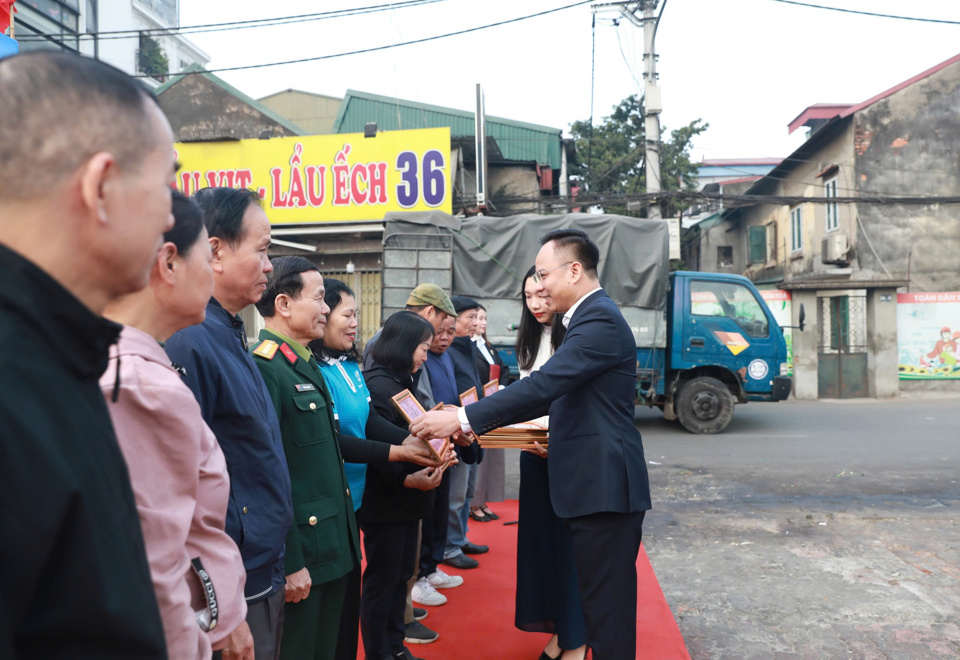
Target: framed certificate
[491,388]
[411,409]
[468,397]
[408,406]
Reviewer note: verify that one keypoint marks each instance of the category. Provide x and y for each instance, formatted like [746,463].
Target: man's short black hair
[285,278]
[398,341]
[223,210]
[583,250]
[57,110]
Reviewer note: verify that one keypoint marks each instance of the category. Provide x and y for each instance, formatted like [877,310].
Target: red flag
[6,8]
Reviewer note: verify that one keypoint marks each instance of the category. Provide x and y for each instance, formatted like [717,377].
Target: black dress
[548,597]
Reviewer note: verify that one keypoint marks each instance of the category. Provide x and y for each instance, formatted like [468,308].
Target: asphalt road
[809,529]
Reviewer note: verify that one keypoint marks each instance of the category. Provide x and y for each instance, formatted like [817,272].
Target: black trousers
[606,546]
[391,550]
[350,618]
[434,538]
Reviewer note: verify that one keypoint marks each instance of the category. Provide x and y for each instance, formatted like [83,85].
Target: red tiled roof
[818,111]
[727,182]
[728,162]
[831,110]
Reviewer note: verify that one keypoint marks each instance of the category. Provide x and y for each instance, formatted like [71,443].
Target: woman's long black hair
[335,290]
[401,335]
[531,330]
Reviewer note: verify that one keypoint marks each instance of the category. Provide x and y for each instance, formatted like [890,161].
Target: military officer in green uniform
[323,544]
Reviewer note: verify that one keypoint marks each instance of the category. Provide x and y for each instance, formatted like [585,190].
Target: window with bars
[833,208]
[796,229]
[758,245]
[167,10]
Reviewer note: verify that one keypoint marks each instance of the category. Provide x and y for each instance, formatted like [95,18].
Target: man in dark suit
[598,474]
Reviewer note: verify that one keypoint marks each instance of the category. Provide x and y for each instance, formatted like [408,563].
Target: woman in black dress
[397,495]
[548,599]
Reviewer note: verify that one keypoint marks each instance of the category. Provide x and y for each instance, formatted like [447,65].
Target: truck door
[728,326]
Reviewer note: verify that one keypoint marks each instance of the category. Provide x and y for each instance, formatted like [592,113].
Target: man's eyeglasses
[538,275]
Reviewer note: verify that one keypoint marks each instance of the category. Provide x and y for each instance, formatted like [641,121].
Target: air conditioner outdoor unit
[835,249]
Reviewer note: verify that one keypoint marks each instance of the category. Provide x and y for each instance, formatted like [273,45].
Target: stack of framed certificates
[411,409]
[516,436]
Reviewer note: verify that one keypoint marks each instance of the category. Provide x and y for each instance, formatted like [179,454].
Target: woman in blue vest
[339,362]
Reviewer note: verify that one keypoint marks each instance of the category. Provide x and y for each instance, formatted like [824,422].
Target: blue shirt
[236,406]
[443,382]
[351,401]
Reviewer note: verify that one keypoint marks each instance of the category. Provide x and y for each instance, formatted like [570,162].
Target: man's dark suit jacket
[596,455]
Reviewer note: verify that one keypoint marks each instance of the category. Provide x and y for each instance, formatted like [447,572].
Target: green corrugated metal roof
[517,140]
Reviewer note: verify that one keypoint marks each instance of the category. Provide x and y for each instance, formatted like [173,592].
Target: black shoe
[544,656]
[417,633]
[406,655]
[480,516]
[419,613]
[461,561]
[473,549]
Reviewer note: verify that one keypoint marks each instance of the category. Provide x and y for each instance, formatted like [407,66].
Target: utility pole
[652,101]
[652,105]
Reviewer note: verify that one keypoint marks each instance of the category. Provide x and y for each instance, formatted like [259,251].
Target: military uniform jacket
[324,536]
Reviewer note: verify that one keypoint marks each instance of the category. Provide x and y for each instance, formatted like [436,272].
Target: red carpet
[477,621]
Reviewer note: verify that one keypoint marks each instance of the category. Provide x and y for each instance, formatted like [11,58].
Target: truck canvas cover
[486,258]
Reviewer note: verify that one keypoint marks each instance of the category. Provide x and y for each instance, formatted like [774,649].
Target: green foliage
[153,61]
[611,156]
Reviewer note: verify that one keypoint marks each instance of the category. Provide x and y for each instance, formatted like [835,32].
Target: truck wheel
[705,405]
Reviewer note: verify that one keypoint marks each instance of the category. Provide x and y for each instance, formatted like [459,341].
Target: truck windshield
[730,300]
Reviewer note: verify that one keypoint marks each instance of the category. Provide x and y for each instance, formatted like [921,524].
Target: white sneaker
[440,580]
[423,593]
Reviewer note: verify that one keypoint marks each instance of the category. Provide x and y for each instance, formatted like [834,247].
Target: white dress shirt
[462,412]
[569,315]
[484,351]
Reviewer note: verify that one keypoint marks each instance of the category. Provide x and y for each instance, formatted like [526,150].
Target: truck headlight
[784,368]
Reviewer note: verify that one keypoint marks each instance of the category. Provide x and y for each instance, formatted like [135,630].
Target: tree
[153,61]
[611,157]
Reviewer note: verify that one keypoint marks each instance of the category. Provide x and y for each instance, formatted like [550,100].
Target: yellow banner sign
[328,178]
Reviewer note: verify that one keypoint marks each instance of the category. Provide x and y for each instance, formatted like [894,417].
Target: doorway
[842,351]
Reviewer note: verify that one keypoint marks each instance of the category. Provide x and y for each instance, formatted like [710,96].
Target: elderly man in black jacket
[463,478]
[86,159]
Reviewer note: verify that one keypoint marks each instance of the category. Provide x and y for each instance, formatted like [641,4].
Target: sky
[746,67]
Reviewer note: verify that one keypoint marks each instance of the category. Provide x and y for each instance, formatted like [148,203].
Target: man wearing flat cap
[429,301]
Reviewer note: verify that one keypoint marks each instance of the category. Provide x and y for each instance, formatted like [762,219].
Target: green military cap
[431,294]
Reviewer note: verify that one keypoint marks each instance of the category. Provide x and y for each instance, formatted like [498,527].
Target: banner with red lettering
[928,329]
[328,178]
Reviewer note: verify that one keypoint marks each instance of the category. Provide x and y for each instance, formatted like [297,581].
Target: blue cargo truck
[706,341]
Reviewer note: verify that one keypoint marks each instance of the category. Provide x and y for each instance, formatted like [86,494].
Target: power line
[942,21]
[244,24]
[734,201]
[379,48]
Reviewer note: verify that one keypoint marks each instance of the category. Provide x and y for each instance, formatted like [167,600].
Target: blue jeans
[463,483]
